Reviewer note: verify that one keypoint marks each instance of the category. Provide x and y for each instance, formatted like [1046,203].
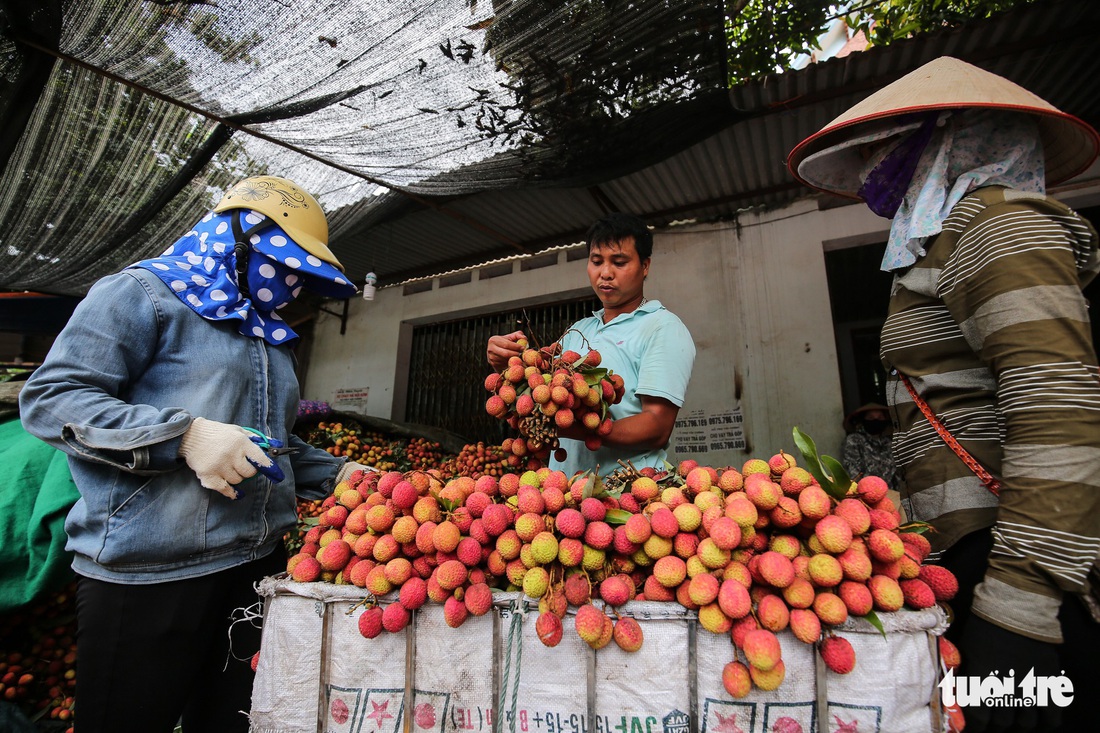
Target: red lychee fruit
[799,594]
[713,619]
[306,570]
[578,589]
[917,594]
[703,589]
[627,633]
[885,545]
[644,489]
[589,623]
[772,613]
[478,599]
[833,532]
[830,609]
[615,590]
[855,563]
[769,680]
[598,535]
[495,519]
[740,627]
[762,649]
[856,596]
[838,654]
[592,509]
[805,625]
[664,523]
[549,629]
[781,462]
[455,612]
[949,653]
[776,570]
[395,617]
[334,556]
[413,593]
[825,571]
[794,480]
[786,513]
[886,593]
[370,622]
[734,599]
[942,581]
[814,503]
[451,574]
[736,679]
[856,513]
[883,520]
[570,552]
[918,543]
[871,489]
[653,590]
[725,532]
[569,523]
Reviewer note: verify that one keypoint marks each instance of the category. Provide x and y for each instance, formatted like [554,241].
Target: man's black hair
[617,227]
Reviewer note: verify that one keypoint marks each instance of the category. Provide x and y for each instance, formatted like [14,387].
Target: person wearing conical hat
[988,323]
[149,389]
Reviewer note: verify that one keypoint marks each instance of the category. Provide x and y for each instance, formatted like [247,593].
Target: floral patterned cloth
[869,455]
[968,150]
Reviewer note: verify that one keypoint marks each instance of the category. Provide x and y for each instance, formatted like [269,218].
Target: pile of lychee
[753,551]
[543,391]
[476,460]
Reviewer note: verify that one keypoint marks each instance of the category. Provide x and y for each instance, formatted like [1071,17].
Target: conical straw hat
[1069,144]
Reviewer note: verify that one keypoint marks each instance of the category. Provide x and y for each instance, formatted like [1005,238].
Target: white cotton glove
[221,455]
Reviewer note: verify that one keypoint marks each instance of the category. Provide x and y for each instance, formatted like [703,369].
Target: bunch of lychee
[753,551]
[542,392]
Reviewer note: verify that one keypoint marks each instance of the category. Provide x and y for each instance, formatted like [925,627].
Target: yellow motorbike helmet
[285,203]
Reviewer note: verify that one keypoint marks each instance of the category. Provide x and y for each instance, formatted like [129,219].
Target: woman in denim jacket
[148,389]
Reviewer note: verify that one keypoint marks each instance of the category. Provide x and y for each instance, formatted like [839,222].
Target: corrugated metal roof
[1048,48]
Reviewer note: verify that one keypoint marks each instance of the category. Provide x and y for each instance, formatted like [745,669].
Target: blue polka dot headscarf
[201,269]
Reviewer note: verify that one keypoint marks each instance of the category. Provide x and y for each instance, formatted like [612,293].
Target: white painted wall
[753,293]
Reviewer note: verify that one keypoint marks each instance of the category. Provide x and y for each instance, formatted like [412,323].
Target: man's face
[616,272]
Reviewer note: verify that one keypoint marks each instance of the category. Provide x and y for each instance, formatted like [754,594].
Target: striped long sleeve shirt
[993,331]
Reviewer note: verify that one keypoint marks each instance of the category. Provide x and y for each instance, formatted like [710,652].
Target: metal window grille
[447,366]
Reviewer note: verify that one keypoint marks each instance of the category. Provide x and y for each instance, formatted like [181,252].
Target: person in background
[866,450]
[638,339]
[988,335]
[149,389]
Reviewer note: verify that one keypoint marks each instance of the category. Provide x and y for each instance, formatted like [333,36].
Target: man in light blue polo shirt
[638,339]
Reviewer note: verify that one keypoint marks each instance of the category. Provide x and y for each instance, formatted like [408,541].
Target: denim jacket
[120,386]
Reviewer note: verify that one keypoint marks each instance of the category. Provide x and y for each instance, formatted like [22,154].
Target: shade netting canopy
[124,122]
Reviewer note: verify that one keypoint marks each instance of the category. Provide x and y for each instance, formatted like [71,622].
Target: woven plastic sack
[317,673]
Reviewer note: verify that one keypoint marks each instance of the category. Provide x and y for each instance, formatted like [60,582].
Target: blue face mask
[884,188]
[200,268]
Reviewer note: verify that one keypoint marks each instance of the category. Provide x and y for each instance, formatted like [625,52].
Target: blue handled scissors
[274,448]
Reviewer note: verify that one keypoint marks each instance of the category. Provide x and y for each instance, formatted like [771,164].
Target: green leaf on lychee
[592,377]
[817,466]
[840,480]
[449,505]
[917,527]
[873,619]
[616,517]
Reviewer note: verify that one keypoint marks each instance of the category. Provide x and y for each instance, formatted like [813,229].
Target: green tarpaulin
[36,492]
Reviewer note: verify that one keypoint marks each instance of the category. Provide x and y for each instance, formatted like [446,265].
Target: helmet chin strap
[242,249]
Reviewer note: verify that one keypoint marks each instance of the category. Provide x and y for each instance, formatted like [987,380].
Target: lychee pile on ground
[475,460]
[542,391]
[753,551]
[38,660]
